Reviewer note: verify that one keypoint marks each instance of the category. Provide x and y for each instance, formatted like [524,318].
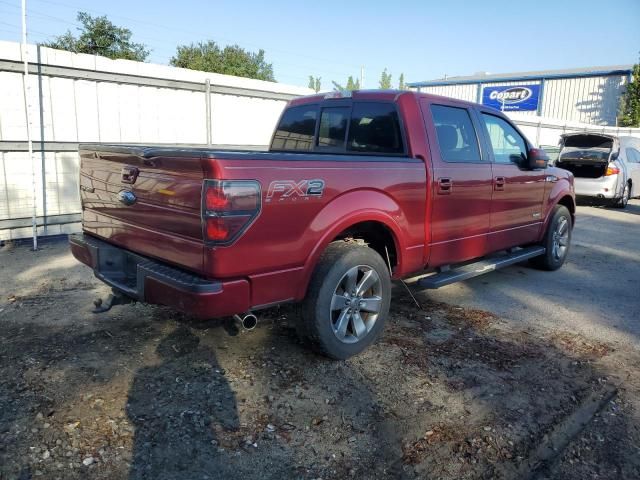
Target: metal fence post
[207,102]
[42,150]
[540,99]
[26,90]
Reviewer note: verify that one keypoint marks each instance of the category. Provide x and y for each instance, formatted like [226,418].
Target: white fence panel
[76,98]
[13,120]
[242,120]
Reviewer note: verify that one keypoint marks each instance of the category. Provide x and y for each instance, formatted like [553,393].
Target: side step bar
[480,267]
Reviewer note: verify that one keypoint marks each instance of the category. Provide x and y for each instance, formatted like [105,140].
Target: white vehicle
[606,168]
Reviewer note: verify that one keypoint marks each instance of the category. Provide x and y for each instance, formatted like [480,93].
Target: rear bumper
[603,187]
[151,281]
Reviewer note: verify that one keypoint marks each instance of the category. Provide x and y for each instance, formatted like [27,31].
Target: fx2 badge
[290,189]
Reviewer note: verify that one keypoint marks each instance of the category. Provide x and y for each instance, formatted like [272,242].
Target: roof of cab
[382,95]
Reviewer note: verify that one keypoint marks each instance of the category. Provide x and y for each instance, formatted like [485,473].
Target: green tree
[385,80]
[351,84]
[314,83]
[230,60]
[98,36]
[401,84]
[629,115]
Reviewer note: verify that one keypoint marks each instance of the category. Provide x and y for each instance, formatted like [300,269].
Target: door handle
[498,183]
[445,185]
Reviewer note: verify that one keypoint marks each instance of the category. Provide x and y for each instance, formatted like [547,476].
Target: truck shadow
[178,407]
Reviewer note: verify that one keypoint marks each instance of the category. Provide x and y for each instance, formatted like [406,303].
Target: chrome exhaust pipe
[248,321]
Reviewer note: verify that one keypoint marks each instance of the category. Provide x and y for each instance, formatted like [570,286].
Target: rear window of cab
[363,127]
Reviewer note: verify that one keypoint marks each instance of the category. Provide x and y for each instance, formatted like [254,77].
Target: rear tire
[557,240]
[624,199]
[347,302]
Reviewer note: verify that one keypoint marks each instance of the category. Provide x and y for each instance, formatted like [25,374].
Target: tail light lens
[228,208]
[612,170]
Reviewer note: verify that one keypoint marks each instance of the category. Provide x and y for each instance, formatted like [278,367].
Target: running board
[478,268]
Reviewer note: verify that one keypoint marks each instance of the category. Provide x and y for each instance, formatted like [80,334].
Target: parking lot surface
[596,293]
[518,374]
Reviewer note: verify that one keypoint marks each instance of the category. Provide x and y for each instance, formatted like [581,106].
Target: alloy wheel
[356,304]
[560,239]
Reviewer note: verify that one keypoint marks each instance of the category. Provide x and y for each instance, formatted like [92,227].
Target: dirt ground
[142,392]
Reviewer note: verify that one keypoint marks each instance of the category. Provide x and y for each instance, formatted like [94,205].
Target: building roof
[535,75]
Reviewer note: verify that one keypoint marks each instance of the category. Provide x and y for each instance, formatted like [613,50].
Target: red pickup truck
[356,189]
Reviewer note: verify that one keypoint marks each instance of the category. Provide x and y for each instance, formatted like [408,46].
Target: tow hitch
[114,298]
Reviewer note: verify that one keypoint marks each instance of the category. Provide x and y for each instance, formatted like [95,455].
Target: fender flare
[556,196]
[382,210]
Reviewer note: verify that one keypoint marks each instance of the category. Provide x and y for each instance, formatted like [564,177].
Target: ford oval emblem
[127,197]
[512,95]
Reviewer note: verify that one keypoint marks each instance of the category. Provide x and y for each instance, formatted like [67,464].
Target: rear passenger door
[633,165]
[518,193]
[461,184]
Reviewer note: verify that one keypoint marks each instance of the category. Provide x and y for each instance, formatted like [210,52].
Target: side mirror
[537,158]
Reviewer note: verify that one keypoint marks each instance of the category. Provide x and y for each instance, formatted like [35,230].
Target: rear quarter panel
[279,251]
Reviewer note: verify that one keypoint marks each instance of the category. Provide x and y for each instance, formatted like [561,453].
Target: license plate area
[119,268]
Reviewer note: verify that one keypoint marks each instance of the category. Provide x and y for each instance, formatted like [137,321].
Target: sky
[424,39]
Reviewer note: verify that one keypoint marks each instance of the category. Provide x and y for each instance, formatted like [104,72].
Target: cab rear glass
[372,128]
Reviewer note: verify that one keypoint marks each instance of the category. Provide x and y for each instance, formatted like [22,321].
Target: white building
[585,95]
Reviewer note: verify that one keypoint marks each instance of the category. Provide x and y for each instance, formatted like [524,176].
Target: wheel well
[567,201]
[376,235]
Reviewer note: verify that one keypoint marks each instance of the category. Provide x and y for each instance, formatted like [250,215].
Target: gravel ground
[451,392]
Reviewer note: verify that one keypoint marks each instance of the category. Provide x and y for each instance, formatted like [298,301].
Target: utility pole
[361,76]
[25,79]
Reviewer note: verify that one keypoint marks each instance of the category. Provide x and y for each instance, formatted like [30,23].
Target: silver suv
[606,168]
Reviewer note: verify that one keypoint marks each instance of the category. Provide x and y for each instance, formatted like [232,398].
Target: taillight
[228,208]
[612,171]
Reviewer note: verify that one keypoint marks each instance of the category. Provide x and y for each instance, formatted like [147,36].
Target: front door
[461,184]
[518,193]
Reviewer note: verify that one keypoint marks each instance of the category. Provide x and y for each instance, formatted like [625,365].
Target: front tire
[347,302]
[557,240]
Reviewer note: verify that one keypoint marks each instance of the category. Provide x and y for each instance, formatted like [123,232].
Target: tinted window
[507,144]
[375,128]
[633,155]
[456,135]
[333,127]
[296,129]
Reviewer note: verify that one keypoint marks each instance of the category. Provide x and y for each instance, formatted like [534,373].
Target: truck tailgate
[145,203]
